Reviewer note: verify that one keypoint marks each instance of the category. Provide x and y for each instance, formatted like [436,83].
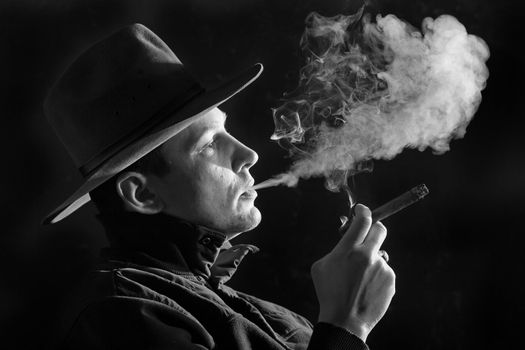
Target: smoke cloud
[370,89]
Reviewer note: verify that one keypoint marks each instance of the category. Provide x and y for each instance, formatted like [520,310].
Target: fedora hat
[122,98]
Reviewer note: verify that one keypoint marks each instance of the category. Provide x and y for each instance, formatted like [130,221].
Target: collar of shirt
[170,243]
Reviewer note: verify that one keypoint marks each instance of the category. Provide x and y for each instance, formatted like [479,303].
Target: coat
[162,286]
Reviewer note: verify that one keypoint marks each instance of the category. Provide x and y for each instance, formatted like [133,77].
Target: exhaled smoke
[369,90]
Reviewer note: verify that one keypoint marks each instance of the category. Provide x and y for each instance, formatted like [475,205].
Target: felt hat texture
[120,99]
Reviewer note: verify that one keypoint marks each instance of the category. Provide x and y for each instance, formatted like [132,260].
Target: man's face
[209,179]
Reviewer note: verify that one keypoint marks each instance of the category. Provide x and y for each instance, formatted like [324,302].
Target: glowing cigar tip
[421,190]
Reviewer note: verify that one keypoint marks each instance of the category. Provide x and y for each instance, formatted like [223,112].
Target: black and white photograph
[262,174]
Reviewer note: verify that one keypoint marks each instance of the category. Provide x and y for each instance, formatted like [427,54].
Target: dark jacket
[162,287]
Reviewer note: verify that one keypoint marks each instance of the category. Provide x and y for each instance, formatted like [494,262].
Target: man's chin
[245,222]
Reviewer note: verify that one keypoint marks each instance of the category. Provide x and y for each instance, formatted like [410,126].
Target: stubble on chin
[243,222]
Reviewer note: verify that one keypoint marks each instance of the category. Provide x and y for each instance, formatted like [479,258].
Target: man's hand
[354,285]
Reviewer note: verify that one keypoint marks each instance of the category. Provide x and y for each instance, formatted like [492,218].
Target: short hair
[105,196]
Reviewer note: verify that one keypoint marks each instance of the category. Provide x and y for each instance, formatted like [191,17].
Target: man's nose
[244,157]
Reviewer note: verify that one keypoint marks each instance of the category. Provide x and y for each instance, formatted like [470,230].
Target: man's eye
[208,148]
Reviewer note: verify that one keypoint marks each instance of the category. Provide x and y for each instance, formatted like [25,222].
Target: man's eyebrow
[196,137]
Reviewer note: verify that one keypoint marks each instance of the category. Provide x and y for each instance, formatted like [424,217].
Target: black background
[458,254]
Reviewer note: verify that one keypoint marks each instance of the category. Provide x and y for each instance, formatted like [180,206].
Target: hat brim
[188,114]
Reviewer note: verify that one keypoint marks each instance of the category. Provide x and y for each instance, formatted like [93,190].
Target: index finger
[358,229]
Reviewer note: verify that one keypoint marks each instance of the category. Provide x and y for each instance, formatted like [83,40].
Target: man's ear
[137,195]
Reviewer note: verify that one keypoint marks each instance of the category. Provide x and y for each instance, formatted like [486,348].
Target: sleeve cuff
[329,337]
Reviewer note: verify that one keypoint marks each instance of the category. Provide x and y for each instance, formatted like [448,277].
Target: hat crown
[113,89]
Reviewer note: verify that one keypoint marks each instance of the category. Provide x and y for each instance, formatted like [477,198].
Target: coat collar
[170,243]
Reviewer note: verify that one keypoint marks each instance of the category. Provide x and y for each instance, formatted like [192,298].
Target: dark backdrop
[458,254]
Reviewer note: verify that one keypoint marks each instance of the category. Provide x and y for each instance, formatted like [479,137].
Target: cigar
[399,203]
[390,208]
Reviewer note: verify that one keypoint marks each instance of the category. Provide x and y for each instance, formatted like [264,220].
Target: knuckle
[367,220]
[390,275]
[393,276]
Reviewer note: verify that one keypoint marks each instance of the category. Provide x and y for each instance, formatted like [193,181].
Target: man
[173,187]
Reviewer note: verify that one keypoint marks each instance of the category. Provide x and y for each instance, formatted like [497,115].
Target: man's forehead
[213,120]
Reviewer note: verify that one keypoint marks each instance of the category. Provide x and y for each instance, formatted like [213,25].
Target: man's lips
[249,194]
